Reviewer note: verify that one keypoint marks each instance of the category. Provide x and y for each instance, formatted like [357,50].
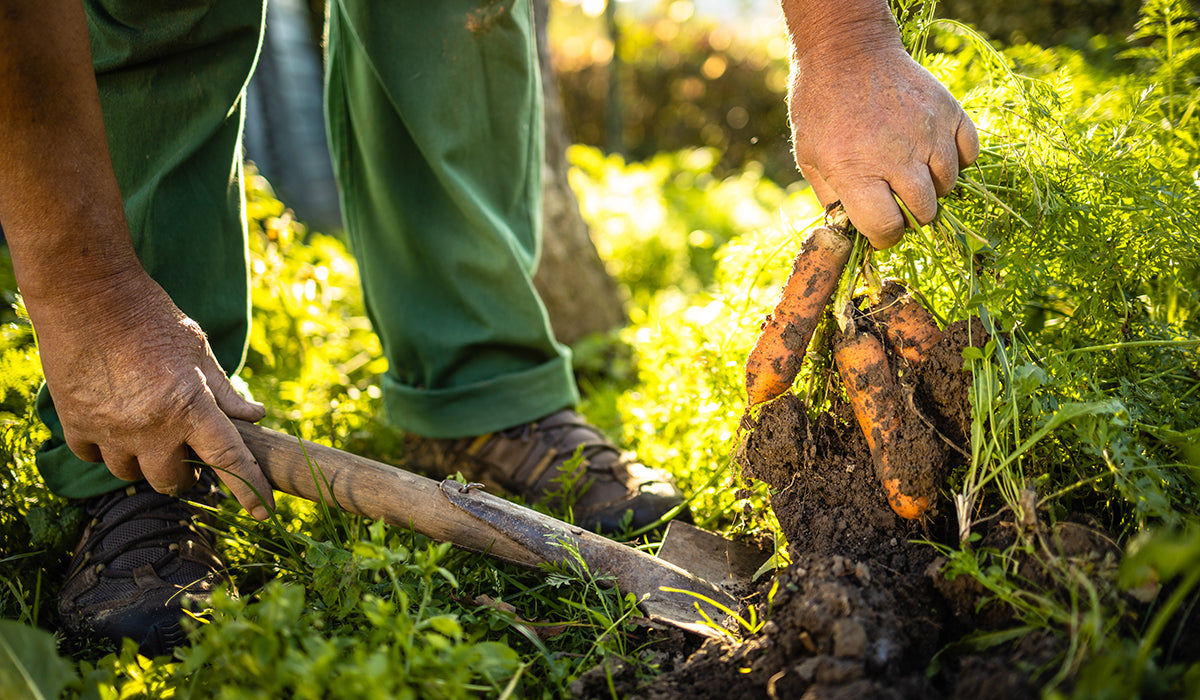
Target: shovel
[466,516]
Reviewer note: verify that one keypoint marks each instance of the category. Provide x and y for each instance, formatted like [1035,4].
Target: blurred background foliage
[1045,22]
[676,80]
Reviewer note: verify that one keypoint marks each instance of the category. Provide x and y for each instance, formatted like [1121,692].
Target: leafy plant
[30,667]
[1075,241]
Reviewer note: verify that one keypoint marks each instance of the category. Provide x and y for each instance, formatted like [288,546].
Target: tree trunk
[580,296]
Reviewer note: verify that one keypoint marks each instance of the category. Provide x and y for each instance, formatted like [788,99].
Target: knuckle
[197,333]
[227,457]
[183,399]
[126,469]
[883,228]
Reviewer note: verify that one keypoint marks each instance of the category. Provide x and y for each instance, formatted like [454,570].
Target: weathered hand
[134,380]
[136,384]
[871,122]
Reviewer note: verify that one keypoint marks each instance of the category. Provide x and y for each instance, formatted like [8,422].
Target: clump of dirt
[938,384]
[863,608]
[814,468]
[833,632]
[825,492]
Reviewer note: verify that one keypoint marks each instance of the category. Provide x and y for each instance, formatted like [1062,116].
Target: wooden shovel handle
[469,518]
[372,489]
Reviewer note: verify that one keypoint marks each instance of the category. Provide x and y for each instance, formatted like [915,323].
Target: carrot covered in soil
[875,398]
[908,326]
[779,351]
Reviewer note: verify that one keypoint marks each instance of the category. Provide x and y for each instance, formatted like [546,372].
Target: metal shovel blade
[725,563]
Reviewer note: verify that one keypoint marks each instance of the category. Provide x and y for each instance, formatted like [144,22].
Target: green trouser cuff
[473,410]
[437,145]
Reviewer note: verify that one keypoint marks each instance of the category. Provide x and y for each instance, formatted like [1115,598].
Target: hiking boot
[143,559]
[531,460]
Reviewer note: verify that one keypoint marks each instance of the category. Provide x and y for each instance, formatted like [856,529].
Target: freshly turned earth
[863,609]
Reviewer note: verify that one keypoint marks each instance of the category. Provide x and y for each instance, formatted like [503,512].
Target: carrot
[908,326]
[873,395]
[779,350]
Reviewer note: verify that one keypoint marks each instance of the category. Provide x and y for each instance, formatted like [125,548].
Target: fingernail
[260,513]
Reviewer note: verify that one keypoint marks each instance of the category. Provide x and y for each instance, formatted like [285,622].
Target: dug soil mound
[864,607]
[825,493]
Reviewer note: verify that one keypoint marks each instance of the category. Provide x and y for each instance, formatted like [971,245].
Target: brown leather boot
[532,460]
[142,560]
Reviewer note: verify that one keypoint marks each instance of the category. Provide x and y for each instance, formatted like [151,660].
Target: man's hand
[132,377]
[868,121]
[135,384]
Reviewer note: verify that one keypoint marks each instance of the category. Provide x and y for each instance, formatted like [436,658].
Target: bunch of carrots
[860,354]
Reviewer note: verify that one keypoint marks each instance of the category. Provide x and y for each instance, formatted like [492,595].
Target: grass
[1076,238]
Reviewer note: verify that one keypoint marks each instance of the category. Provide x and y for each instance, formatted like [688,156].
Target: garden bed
[866,604]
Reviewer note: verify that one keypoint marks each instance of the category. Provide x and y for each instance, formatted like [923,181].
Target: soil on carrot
[864,607]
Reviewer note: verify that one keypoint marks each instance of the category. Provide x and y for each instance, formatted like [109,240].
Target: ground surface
[864,607]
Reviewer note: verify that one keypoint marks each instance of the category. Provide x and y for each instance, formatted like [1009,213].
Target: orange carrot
[908,326]
[775,360]
[873,395]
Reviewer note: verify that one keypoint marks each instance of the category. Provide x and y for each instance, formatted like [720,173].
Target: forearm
[59,200]
[838,27]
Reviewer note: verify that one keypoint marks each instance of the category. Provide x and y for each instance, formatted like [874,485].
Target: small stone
[849,639]
[882,653]
[807,669]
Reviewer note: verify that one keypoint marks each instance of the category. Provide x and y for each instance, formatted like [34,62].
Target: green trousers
[435,123]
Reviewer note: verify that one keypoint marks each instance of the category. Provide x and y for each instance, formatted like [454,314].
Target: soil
[864,607]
